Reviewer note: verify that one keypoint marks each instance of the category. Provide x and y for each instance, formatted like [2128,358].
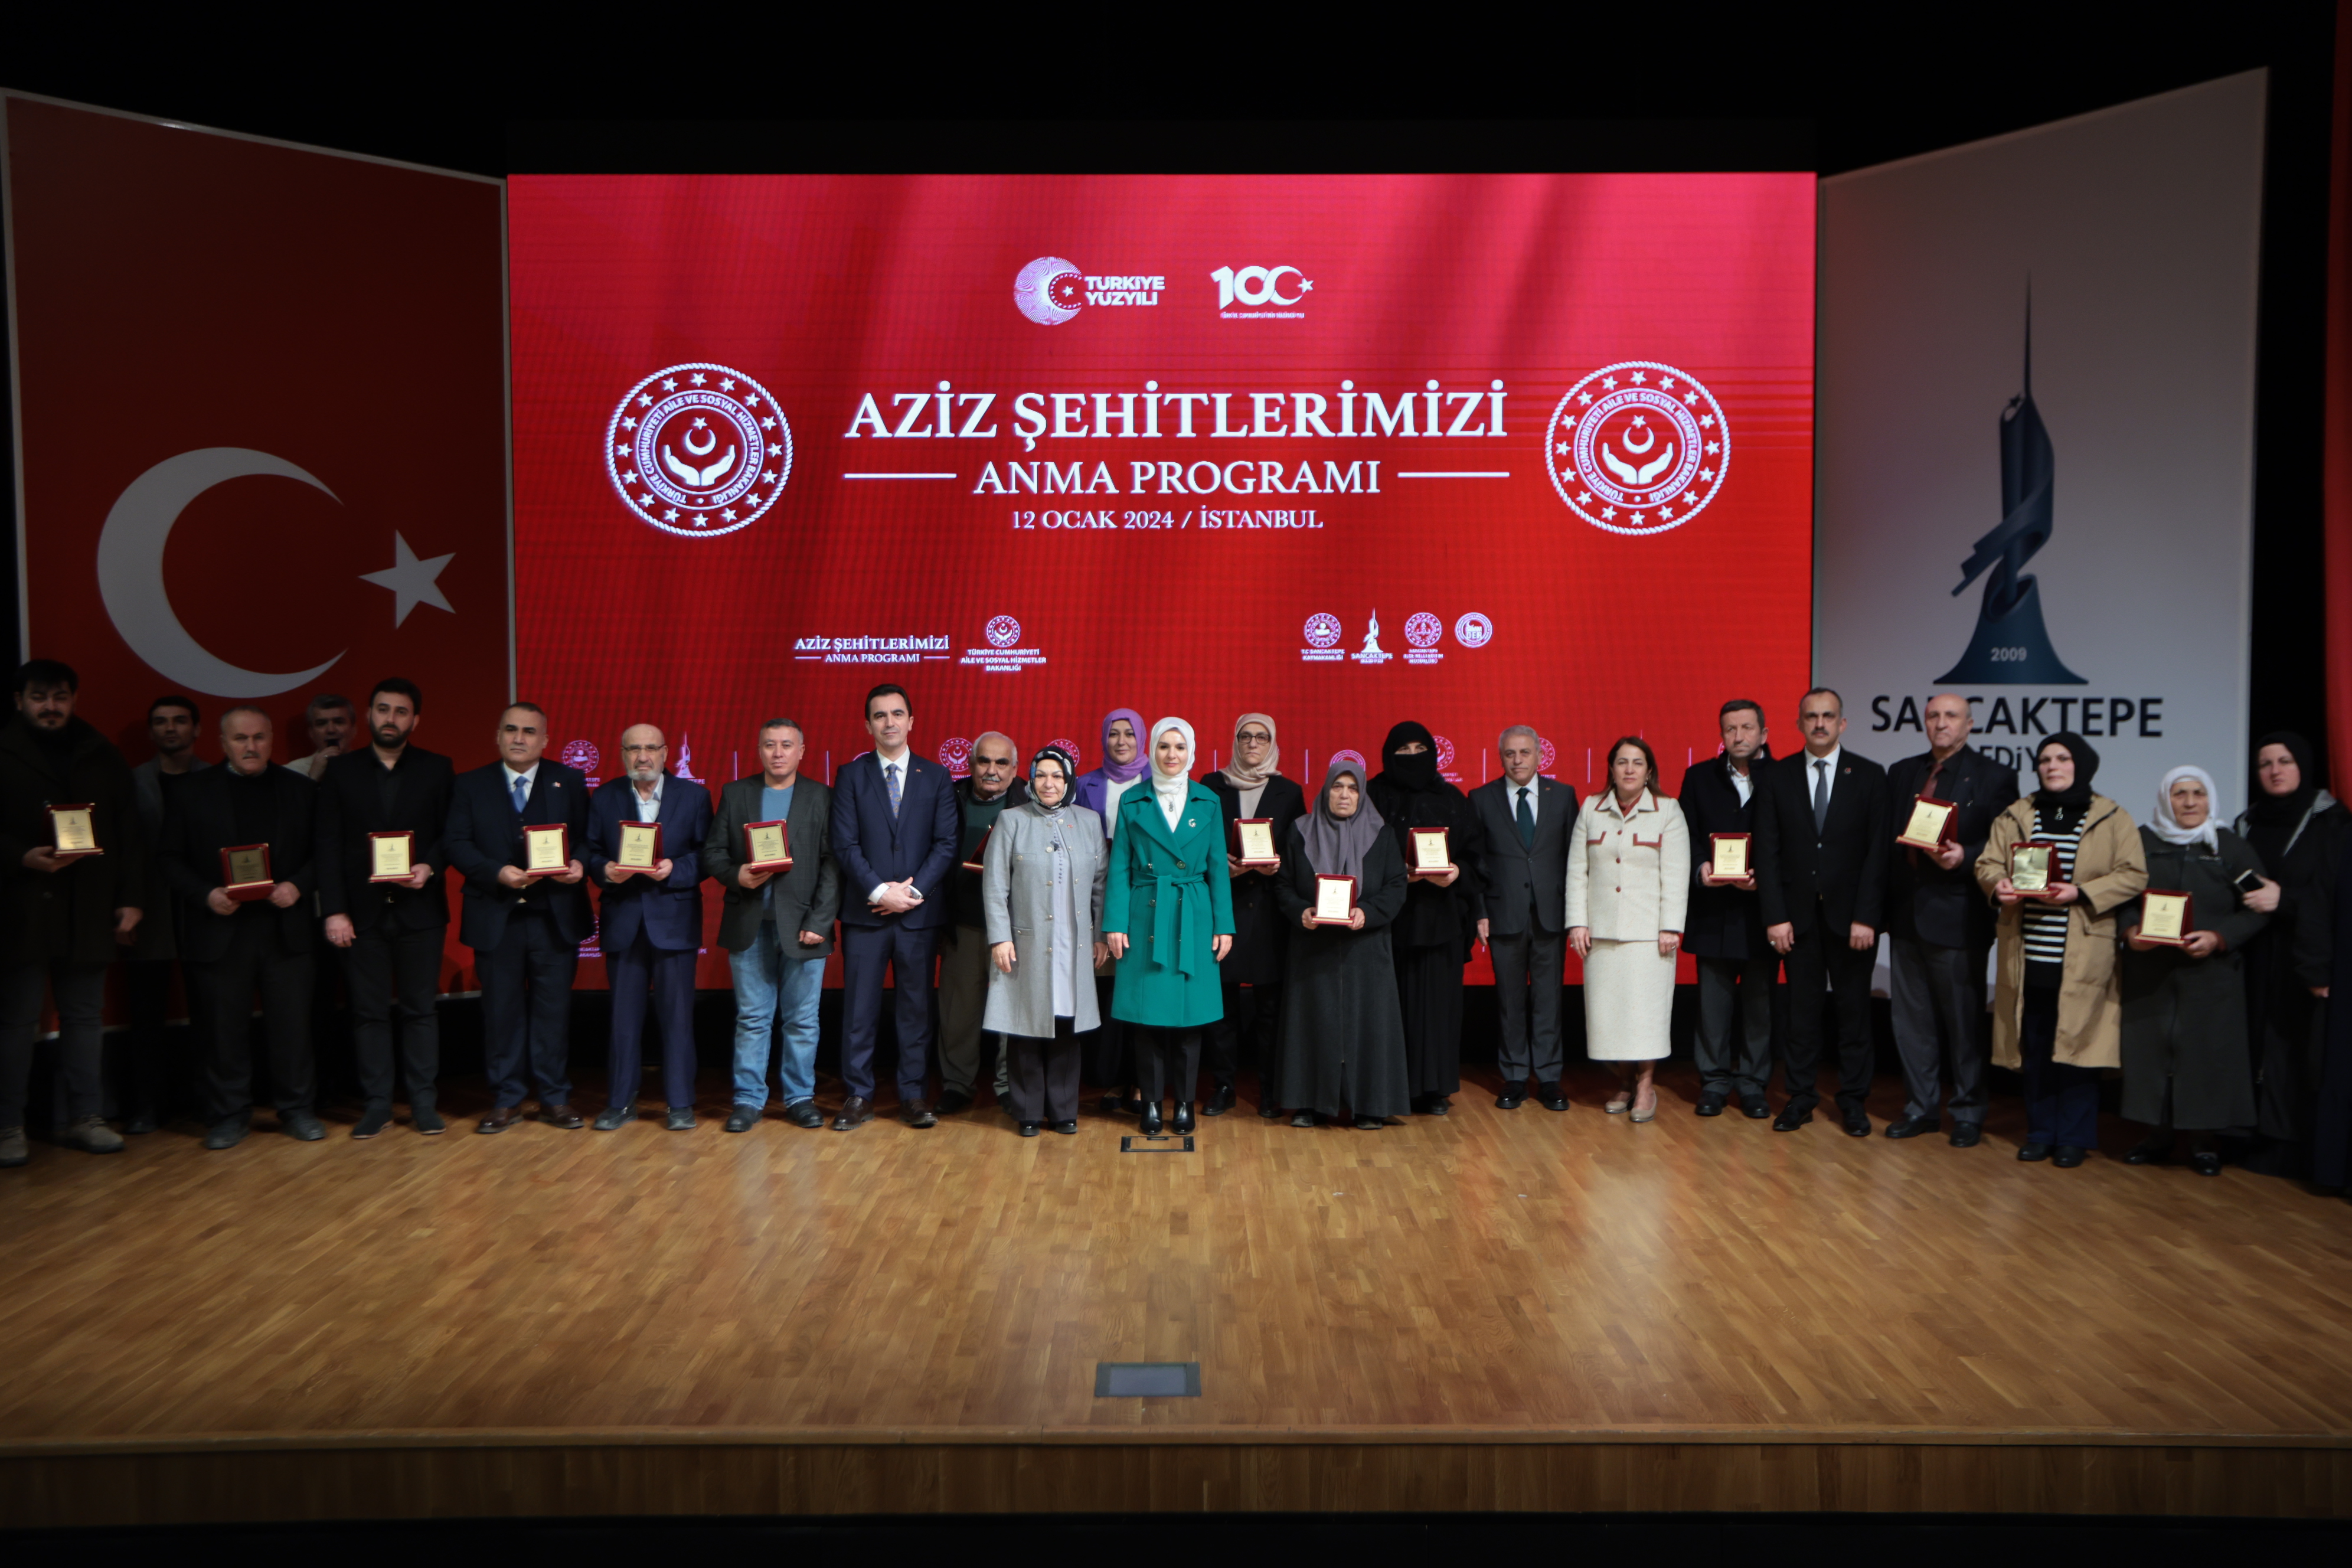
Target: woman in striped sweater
[2057,998]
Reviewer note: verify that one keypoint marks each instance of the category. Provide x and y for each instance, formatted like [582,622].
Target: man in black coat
[1526,826]
[62,917]
[963,956]
[391,931]
[1822,840]
[1261,936]
[1724,931]
[1939,926]
[525,931]
[231,948]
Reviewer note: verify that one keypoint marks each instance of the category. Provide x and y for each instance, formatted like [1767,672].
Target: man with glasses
[964,957]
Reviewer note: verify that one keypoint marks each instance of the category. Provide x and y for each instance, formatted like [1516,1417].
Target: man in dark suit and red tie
[525,932]
[1527,824]
[1821,841]
[896,825]
[651,925]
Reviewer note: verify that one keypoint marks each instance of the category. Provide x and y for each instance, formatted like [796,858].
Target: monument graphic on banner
[2011,646]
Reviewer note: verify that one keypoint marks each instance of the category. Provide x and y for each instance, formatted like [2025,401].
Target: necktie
[1527,819]
[521,793]
[891,772]
[1820,796]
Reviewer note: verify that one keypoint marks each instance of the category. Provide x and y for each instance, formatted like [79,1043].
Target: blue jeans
[775,991]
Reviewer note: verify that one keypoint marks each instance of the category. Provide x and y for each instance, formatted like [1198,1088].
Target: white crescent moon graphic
[131,570]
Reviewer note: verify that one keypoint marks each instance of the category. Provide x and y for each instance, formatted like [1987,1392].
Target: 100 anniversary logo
[699,449]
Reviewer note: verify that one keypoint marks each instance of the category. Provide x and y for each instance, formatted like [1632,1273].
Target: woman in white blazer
[1628,884]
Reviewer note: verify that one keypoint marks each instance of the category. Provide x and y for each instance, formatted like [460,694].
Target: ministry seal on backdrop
[1637,448]
[699,449]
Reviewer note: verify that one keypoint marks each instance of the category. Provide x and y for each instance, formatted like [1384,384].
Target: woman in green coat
[1167,916]
[2186,1062]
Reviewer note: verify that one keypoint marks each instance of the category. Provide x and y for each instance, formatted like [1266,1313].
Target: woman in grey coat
[1041,894]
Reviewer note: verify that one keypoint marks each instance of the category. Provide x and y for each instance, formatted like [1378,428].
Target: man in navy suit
[652,924]
[896,825]
[1526,824]
[525,932]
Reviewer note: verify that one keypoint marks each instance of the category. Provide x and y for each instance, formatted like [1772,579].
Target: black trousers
[1528,969]
[1043,1085]
[1824,951]
[1735,993]
[145,1086]
[526,1010]
[1428,993]
[395,979]
[1252,1010]
[1110,1056]
[224,989]
[1939,1014]
[1167,1062]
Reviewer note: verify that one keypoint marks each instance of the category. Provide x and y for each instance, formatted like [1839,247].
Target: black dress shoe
[1755,1107]
[140,1122]
[1712,1104]
[1306,1119]
[1371,1123]
[372,1121]
[952,1100]
[300,1124]
[227,1133]
[1151,1120]
[1111,1104]
[856,1112]
[918,1112]
[2153,1151]
[2205,1163]
[1220,1101]
[742,1118]
[1028,1130]
[613,1118]
[2032,1152]
[2068,1156]
[499,1119]
[1913,1127]
[1184,1122]
[1966,1134]
[1067,1129]
[1437,1105]
[1790,1119]
[1548,1096]
[804,1113]
[1269,1109]
[426,1119]
[679,1119]
[1856,1123]
[562,1116]
[1513,1095]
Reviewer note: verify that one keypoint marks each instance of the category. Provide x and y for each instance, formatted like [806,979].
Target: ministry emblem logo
[699,449]
[1637,448]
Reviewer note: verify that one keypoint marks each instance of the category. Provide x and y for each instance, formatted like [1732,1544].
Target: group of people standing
[1110,925]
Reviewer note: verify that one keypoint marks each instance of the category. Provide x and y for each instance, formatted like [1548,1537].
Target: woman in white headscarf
[2185,1063]
[1168,915]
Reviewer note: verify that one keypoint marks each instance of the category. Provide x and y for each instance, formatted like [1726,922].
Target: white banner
[2092,505]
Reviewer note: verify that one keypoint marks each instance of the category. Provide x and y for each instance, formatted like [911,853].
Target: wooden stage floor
[1492,1310]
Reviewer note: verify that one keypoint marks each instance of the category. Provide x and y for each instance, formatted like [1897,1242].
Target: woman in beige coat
[1628,885]
[2057,1009]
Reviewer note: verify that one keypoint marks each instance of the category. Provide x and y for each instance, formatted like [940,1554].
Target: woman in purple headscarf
[1111,1061]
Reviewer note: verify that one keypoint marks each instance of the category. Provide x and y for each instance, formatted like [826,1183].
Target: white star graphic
[1667,382]
[1665,511]
[1584,398]
[728,384]
[727,516]
[1608,512]
[1705,421]
[628,424]
[644,400]
[1706,473]
[1562,448]
[620,451]
[769,478]
[752,400]
[702,424]
[1584,498]
[669,383]
[1638,378]
[411,580]
[1607,384]
[1712,446]
[630,478]
[1637,519]
[767,424]
[700,378]
[1639,420]
[1690,397]
[670,516]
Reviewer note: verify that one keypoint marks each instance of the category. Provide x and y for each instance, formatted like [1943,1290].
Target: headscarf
[2284,812]
[2168,828]
[1125,772]
[1336,846]
[2064,808]
[1069,778]
[1416,773]
[1171,789]
[1241,777]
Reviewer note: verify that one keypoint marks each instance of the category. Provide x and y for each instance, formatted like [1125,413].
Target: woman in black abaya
[1431,940]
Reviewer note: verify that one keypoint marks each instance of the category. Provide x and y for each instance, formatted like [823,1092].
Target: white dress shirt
[648,806]
[1531,792]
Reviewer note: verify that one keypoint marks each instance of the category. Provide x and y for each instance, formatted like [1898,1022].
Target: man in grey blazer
[776,926]
[1527,823]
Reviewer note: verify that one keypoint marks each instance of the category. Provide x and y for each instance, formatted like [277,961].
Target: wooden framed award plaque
[1253,839]
[640,847]
[2031,867]
[1432,852]
[391,856]
[2164,917]
[1729,857]
[1335,899]
[979,861]
[546,850]
[244,872]
[1931,825]
[766,847]
[71,832]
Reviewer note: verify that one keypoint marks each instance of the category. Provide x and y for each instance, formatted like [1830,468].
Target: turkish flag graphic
[262,424]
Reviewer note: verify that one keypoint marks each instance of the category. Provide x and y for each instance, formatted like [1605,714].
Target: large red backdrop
[1038,448]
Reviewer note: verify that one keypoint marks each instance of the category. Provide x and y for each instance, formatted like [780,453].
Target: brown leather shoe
[918,1113]
[562,1116]
[499,1120]
[856,1112]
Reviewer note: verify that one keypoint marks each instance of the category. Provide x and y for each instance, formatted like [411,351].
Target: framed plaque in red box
[546,849]
[979,851]
[1335,899]
[1432,853]
[390,856]
[766,847]
[1929,825]
[2165,917]
[244,872]
[1728,856]
[2031,866]
[640,847]
[1253,839]
[71,834]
